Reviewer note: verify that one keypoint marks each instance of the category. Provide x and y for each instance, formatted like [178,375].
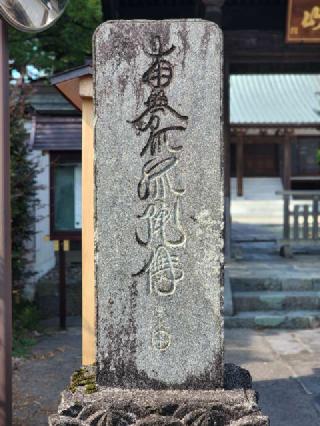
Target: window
[65,196]
[67,202]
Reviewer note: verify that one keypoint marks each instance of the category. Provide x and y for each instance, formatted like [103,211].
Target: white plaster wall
[40,249]
[44,252]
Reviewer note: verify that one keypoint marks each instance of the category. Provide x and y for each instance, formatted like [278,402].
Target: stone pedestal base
[121,407]
[235,405]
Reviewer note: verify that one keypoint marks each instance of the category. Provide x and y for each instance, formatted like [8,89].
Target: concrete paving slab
[285,346]
[287,377]
[311,338]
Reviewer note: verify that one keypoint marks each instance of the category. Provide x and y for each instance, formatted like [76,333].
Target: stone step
[245,301]
[274,319]
[274,283]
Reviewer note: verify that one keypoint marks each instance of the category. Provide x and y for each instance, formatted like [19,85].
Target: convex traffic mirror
[32,15]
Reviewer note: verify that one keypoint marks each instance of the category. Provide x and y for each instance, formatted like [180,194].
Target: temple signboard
[303,22]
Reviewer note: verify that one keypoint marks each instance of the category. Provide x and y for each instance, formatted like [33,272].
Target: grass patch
[25,321]
[21,346]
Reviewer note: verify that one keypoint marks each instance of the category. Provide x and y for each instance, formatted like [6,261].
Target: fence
[300,219]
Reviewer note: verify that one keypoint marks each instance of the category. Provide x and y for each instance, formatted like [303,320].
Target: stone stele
[159,204]
[159,224]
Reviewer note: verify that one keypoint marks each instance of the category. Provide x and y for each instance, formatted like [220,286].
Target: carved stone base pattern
[121,407]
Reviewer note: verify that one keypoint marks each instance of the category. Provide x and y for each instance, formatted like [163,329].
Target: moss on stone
[91,388]
[83,378]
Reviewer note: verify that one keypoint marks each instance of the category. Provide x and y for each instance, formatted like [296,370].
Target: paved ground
[285,366]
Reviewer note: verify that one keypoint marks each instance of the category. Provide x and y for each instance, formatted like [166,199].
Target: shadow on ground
[287,404]
[285,366]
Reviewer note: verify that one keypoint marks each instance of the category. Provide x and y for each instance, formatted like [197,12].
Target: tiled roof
[275,99]
[56,133]
[279,99]
[46,99]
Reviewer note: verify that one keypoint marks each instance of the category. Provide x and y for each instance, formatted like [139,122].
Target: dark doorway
[261,160]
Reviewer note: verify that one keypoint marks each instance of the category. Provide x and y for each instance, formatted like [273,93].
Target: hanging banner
[303,22]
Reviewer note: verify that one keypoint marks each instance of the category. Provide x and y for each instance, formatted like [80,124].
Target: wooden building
[275,128]
[55,137]
[260,37]
[56,132]
[262,66]
[276,78]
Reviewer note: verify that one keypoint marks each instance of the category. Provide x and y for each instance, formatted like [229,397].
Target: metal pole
[5,235]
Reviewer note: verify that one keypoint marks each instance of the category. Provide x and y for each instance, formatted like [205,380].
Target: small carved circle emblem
[161,340]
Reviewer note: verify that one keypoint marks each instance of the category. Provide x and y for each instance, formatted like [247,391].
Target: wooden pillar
[239,165]
[5,236]
[287,161]
[62,286]
[286,217]
[88,290]
[315,212]
[227,162]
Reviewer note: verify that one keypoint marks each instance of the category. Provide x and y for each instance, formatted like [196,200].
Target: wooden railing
[301,219]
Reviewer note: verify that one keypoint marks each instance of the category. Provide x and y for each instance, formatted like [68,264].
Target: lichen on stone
[84,377]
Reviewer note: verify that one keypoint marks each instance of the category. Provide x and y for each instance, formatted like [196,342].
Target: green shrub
[24,188]
[26,316]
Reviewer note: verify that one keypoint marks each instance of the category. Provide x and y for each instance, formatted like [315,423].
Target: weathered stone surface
[159,204]
[236,377]
[168,407]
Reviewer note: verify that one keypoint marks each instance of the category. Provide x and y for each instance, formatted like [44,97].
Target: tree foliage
[63,46]
[24,171]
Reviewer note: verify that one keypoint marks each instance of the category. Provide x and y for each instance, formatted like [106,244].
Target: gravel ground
[38,380]
[285,366]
